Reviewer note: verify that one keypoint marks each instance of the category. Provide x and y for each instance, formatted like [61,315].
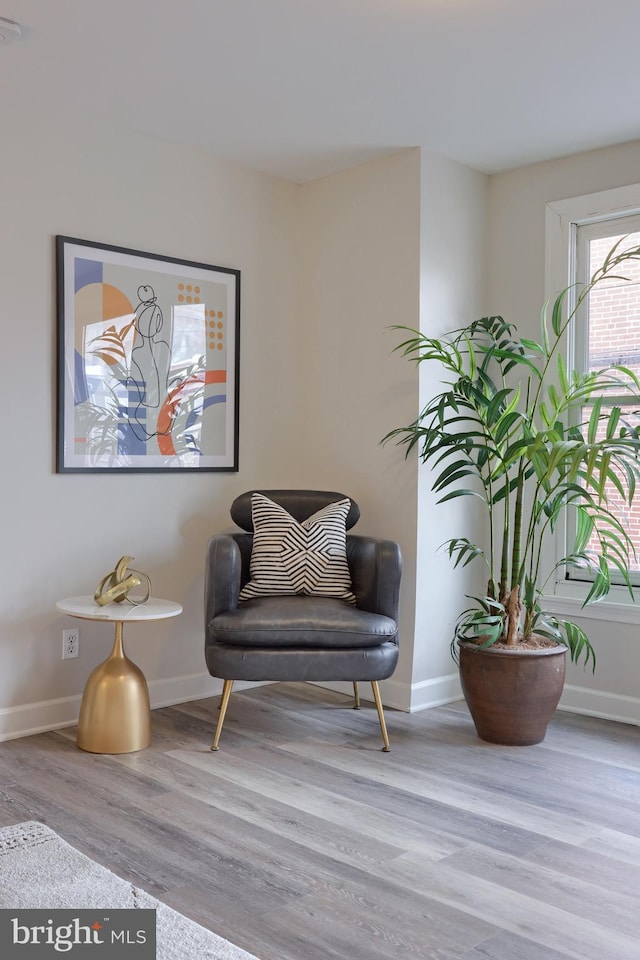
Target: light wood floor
[301,840]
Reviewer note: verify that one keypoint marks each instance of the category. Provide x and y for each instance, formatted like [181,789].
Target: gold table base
[115,715]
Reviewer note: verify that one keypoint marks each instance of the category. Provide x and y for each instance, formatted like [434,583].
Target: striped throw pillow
[289,557]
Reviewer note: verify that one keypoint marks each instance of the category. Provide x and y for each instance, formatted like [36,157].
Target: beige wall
[325,270]
[60,533]
[397,241]
[515,242]
[452,293]
[516,289]
[360,237]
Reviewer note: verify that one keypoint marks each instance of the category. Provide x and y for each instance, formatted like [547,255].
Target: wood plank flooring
[301,840]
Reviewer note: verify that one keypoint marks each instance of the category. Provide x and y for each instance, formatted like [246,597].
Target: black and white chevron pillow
[289,557]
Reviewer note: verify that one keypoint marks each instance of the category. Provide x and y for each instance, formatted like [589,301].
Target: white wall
[360,240]
[326,269]
[397,241]
[452,293]
[516,278]
[61,533]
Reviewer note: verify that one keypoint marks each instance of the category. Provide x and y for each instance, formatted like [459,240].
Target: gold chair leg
[383,726]
[224,702]
[356,696]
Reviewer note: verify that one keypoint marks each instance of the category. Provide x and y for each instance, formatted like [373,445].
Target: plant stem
[514,609]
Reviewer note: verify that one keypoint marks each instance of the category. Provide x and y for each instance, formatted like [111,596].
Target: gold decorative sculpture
[115,586]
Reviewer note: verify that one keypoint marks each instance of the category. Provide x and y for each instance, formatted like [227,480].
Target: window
[580,234]
[608,331]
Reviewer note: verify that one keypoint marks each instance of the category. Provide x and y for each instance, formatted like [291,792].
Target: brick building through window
[608,331]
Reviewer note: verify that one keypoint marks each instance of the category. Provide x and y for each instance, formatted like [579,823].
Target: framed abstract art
[148,361]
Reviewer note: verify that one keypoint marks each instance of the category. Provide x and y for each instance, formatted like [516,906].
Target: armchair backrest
[375,564]
[299,503]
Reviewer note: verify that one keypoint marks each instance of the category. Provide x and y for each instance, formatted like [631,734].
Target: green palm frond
[535,442]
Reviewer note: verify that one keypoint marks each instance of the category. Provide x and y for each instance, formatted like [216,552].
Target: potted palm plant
[543,448]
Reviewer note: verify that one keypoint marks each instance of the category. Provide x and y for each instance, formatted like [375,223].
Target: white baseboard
[31,718]
[435,691]
[196,686]
[393,694]
[402,696]
[446,689]
[598,703]
[582,700]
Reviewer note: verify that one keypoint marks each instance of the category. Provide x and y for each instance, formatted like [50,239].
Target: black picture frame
[148,361]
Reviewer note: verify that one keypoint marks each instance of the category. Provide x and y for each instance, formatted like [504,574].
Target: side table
[115,715]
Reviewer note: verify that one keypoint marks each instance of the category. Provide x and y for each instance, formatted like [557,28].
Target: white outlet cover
[66,634]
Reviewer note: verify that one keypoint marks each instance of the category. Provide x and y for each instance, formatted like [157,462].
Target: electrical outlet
[70,643]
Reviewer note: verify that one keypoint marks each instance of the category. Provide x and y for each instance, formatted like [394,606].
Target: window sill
[617,608]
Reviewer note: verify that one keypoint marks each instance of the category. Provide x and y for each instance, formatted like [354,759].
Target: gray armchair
[301,637]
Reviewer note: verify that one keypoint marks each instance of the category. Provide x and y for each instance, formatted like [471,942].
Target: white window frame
[562,217]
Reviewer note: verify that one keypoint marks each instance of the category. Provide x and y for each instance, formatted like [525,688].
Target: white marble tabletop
[87,609]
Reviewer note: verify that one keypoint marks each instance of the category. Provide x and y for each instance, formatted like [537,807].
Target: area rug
[38,869]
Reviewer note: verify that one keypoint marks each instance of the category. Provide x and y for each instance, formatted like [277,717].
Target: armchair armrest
[376,569]
[223,571]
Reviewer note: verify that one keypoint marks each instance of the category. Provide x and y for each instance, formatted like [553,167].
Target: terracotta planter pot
[512,695]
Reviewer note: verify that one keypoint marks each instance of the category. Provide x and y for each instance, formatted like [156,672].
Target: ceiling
[302,88]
